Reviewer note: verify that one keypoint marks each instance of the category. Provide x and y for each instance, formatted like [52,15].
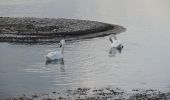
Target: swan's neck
[62,49]
[113,38]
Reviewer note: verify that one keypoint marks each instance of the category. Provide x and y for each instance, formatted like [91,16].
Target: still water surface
[144,62]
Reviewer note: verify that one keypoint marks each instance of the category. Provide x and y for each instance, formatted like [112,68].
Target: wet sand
[51,30]
[95,94]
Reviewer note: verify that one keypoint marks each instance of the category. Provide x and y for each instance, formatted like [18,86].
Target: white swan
[56,55]
[115,43]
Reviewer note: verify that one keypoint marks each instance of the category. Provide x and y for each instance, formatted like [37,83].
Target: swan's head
[112,38]
[62,42]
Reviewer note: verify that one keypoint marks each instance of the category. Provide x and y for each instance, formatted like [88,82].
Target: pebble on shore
[96,94]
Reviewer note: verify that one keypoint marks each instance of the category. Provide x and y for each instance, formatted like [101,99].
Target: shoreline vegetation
[37,30]
[94,94]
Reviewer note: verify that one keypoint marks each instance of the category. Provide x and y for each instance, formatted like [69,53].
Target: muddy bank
[95,94]
[52,30]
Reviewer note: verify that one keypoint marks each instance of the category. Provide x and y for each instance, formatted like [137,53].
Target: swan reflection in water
[114,51]
[60,61]
[57,62]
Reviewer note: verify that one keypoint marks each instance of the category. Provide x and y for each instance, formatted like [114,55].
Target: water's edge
[95,94]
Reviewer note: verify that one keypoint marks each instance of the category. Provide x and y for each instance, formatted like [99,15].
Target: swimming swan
[115,43]
[56,55]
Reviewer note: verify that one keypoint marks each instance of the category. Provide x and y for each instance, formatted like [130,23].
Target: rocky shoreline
[95,94]
[32,30]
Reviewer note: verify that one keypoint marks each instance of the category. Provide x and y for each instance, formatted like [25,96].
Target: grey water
[144,62]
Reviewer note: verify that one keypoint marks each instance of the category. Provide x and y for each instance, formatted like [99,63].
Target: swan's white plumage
[56,55]
[115,43]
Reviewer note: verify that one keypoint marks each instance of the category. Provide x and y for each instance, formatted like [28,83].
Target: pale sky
[11,2]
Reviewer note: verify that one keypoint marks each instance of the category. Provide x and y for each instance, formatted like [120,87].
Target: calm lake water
[144,61]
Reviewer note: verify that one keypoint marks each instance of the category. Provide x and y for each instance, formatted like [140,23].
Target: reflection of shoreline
[56,62]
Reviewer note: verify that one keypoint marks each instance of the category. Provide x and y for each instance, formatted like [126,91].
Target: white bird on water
[115,43]
[56,55]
